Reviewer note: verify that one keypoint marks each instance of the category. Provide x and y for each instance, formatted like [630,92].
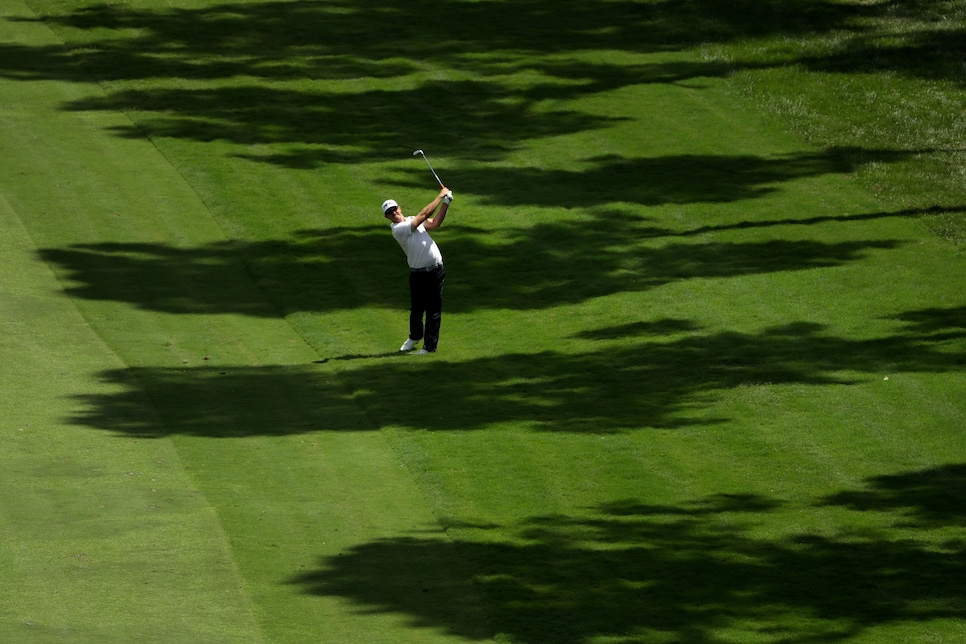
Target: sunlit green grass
[702,357]
[888,78]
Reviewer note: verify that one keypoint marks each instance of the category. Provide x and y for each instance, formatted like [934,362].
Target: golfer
[426,274]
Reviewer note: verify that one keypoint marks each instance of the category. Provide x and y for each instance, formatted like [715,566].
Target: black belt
[426,269]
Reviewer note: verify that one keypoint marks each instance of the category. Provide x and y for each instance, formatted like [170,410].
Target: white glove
[448,197]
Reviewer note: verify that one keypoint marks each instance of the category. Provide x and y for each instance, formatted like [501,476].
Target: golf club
[430,166]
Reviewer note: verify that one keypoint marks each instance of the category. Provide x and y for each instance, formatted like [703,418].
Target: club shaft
[431,168]
[434,174]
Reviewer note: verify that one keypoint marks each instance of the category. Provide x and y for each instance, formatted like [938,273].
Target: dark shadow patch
[925,498]
[664,384]
[684,573]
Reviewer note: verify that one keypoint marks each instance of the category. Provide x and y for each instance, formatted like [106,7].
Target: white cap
[387,204]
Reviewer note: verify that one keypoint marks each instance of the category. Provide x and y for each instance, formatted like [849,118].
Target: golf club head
[418,152]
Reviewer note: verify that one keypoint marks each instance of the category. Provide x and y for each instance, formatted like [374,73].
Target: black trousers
[426,299]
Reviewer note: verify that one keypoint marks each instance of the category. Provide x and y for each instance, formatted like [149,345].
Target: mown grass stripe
[103,537]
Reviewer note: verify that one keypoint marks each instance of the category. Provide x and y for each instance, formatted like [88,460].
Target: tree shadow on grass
[240,60]
[927,498]
[569,260]
[670,382]
[345,269]
[637,572]
[936,54]
[910,213]
[937,322]
[312,43]
[487,119]
[350,39]
[660,180]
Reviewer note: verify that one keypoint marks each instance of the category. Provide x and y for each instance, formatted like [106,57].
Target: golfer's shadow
[357,356]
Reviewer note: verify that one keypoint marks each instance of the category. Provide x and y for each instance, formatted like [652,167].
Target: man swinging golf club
[426,274]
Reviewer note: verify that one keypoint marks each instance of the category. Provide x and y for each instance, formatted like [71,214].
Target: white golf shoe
[408,345]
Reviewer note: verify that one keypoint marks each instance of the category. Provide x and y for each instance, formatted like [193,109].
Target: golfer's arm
[426,212]
[437,221]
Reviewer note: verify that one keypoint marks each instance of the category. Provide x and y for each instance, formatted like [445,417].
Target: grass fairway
[703,361]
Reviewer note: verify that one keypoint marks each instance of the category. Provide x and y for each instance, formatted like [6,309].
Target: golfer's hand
[448,197]
[443,191]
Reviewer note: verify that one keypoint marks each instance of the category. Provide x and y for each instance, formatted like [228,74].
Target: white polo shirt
[421,251]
